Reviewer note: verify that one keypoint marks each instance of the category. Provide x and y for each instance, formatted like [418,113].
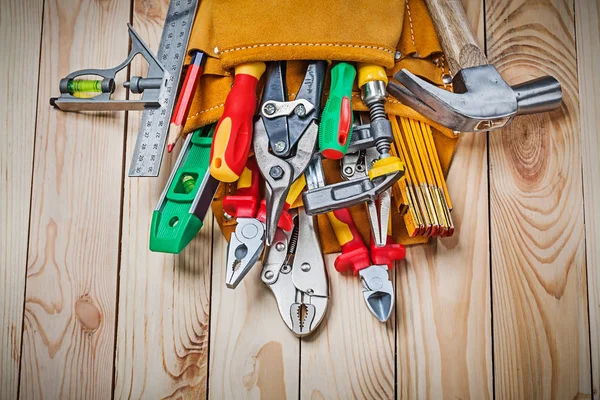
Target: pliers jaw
[295,273]
[378,291]
[244,249]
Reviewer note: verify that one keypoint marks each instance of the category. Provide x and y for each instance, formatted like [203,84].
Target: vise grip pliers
[294,270]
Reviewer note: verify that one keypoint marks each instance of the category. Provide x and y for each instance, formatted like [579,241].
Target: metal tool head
[378,291]
[356,166]
[481,100]
[280,173]
[286,121]
[244,248]
[295,273]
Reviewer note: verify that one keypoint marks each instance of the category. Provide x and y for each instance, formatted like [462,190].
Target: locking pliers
[294,270]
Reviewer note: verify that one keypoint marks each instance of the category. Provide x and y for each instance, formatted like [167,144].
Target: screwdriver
[335,130]
[233,134]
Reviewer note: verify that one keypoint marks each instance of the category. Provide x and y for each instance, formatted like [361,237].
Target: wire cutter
[378,290]
[246,244]
[357,166]
[294,270]
[285,134]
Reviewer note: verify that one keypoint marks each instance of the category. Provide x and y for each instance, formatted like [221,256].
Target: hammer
[481,100]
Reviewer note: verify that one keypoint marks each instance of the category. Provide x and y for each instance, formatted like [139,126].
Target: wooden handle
[456,36]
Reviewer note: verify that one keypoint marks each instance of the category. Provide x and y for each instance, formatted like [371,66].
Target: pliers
[356,166]
[372,268]
[246,244]
[378,290]
[285,134]
[294,270]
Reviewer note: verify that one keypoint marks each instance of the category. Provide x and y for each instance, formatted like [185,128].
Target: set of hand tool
[388,164]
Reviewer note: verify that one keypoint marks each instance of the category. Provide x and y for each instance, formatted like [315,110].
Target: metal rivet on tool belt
[276,172]
[216,50]
[397,55]
[279,246]
[447,79]
[279,146]
[305,267]
[269,109]
[227,217]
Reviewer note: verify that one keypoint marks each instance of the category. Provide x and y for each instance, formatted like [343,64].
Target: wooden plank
[351,355]
[539,297]
[252,353]
[587,22]
[68,338]
[162,335]
[443,296]
[20,32]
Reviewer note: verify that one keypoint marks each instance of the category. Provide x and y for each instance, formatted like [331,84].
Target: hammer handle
[455,34]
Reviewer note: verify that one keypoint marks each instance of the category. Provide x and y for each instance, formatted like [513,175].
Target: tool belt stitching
[386,49]
[412,32]
[203,111]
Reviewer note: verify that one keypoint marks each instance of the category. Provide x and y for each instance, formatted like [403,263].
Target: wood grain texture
[461,47]
[162,335]
[68,339]
[443,289]
[351,354]
[587,22]
[20,33]
[252,352]
[539,295]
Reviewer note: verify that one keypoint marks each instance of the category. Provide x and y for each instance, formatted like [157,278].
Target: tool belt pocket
[240,31]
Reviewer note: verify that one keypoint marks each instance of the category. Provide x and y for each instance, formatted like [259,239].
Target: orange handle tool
[355,255]
[244,203]
[233,134]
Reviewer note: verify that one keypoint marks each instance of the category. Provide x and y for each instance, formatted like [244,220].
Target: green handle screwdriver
[335,130]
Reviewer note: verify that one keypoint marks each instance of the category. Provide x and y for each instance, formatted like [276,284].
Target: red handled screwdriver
[233,135]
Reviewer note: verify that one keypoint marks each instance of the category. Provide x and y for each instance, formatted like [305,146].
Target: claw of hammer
[481,101]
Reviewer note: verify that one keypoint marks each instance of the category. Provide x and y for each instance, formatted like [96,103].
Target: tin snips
[285,134]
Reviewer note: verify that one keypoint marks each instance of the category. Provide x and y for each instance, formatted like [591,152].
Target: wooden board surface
[587,22]
[20,30]
[163,298]
[498,311]
[539,296]
[349,336]
[444,320]
[253,355]
[70,305]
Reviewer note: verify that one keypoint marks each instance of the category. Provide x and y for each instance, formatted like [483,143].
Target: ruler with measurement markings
[154,126]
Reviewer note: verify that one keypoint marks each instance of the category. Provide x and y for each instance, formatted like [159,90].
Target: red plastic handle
[387,254]
[355,255]
[233,134]
[285,221]
[244,203]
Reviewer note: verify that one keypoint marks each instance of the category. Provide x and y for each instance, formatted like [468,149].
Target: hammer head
[481,101]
